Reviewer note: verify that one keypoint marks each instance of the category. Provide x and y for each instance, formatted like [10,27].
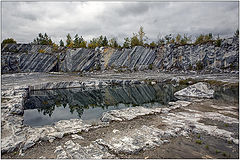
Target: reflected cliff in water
[48,106]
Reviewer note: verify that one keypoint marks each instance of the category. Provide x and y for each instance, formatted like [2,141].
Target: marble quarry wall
[43,58]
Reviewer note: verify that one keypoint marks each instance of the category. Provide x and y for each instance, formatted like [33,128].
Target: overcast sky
[24,20]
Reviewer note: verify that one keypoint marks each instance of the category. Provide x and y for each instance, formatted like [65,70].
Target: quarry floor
[177,147]
[193,145]
[31,79]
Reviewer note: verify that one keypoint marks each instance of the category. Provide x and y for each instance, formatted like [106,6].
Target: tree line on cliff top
[137,39]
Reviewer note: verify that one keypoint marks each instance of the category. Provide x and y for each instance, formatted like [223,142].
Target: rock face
[198,90]
[80,59]
[29,58]
[137,58]
[28,62]
[207,56]
[25,58]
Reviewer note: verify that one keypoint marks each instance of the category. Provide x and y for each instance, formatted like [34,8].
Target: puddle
[49,106]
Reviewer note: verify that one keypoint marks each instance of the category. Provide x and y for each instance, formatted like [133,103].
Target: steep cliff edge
[43,58]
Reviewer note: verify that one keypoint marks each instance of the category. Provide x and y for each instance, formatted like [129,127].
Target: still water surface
[49,106]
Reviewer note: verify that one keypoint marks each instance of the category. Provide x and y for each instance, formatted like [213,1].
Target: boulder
[198,90]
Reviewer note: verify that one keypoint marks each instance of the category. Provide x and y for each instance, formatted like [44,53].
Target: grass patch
[198,141]
[226,125]
[206,146]
[198,136]
[186,81]
[224,154]
[217,151]
[150,66]
[45,102]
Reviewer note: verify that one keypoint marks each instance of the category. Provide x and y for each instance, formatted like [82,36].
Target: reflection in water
[227,94]
[48,106]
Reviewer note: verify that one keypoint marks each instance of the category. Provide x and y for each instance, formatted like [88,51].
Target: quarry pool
[48,106]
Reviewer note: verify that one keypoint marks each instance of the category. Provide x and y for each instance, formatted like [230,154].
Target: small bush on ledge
[41,51]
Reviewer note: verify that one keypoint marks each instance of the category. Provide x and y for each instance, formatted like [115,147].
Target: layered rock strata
[208,57]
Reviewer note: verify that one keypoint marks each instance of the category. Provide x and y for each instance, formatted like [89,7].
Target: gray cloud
[24,20]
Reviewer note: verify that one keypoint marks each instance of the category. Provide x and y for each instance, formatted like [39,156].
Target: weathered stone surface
[189,122]
[128,113]
[36,62]
[138,58]
[71,126]
[80,59]
[15,135]
[75,136]
[27,58]
[61,154]
[198,90]
[72,150]
[208,57]
[135,140]
[177,124]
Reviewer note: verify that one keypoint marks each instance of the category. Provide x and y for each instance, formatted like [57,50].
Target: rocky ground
[199,130]
[37,80]
[192,128]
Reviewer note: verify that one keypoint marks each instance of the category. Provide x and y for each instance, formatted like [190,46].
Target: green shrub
[226,125]
[41,51]
[153,44]
[98,67]
[224,154]
[200,39]
[218,42]
[217,151]
[204,38]
[55,47]
[150,66]
[198,136]
[206,147]
[198,141]
[8,41]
